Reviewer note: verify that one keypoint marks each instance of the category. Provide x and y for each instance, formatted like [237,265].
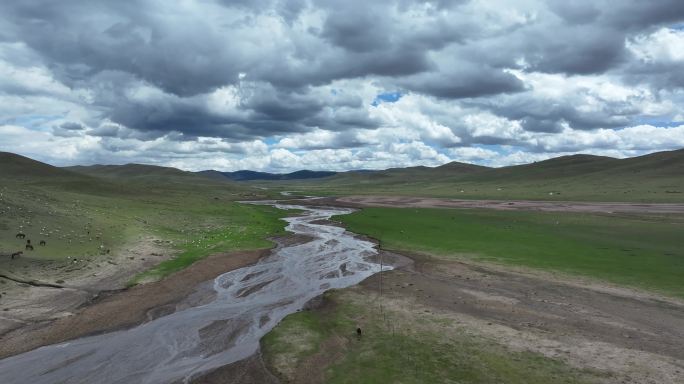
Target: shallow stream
[248,303]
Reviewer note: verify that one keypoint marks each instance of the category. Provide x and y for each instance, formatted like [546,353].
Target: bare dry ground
[630,336]
[627,336]
[555,206]
[38,291]
[124,308]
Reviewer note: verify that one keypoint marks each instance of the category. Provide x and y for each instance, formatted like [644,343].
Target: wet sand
[129,307]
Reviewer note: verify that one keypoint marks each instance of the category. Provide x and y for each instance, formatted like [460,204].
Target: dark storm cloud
[150,66]
[72,126]
[263,111]
[622,15]
[637,14]
[467,81]
[576,50]
[81,39]
[575,12]
[667,75]
[591,39]
[543,115]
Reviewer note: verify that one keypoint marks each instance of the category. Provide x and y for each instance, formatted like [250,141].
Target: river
[248,303]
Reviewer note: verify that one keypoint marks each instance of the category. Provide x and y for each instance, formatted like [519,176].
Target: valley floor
[529,292]
[508,205]
[450,321]
[437,319]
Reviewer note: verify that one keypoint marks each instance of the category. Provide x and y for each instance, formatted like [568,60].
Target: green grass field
[247,228]
[81,215]
[418,348]
[641,251]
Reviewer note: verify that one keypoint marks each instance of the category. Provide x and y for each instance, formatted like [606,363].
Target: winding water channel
[248,303]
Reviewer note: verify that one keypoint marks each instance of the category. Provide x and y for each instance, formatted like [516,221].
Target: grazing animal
[358,332]
[20,235]
[28,241]
[29,247]
[16,254]
[43,243]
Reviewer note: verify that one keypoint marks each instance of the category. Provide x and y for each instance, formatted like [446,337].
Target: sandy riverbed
[125,308]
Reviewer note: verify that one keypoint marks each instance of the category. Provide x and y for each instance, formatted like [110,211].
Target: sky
[278,85]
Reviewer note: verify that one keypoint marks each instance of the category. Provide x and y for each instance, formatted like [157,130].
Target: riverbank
[443,320]
[130,307]
[40,291]
[185,340]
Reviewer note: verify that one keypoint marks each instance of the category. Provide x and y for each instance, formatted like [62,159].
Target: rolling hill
[657,177]
[649,178]
[140,173]
[19,168]
[121,202]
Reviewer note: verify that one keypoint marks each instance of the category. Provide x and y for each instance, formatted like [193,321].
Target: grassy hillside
[646,252]
[83,212]
[19,168]
[139,171]
[657,177]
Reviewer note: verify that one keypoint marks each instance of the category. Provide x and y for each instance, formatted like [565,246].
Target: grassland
[247,228]
[657,177]
[89,214]
[419,347]
[641,251]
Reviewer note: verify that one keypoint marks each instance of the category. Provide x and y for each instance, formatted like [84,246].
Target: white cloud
[664,44]
[255,73]
[472,154]
[642,137]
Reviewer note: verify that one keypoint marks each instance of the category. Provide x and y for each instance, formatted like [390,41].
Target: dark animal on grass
[20,235]
[29,247]
[358,332]
[43,243]
[16,254]
[28,241]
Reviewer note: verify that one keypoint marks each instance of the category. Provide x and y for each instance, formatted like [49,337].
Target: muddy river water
[248,303]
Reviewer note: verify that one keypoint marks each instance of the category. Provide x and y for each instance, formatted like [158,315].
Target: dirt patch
[632,338]
[54,290]
[111,311]
[551,206]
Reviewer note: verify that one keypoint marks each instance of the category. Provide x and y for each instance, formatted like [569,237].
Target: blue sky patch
[33,121]
[658,123]
[386,97]
[271,140]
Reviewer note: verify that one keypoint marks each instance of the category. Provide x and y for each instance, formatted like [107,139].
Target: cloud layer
[282,85]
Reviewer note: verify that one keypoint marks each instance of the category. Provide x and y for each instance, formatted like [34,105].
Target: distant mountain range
[245,175]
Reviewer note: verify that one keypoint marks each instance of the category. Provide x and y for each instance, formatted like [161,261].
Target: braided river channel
[248,302]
